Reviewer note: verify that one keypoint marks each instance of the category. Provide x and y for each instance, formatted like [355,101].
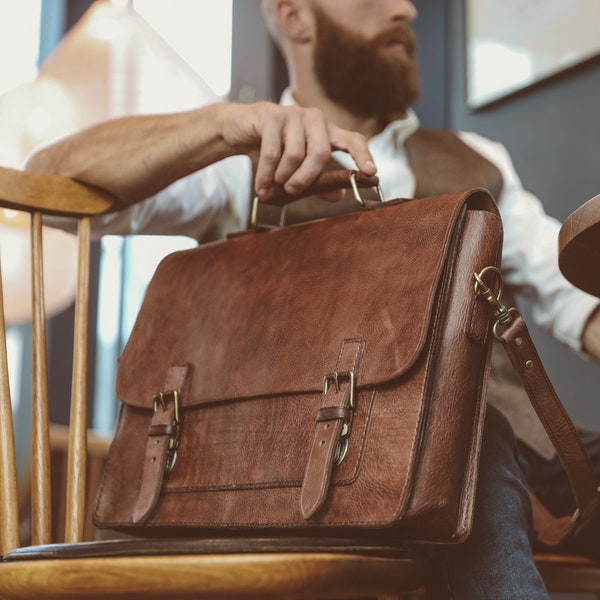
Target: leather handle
[328,181]
[523,355]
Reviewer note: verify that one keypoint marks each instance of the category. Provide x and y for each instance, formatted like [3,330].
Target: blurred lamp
[110,63]
[60,271]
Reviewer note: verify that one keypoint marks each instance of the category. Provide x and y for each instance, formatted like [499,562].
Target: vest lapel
[443,163]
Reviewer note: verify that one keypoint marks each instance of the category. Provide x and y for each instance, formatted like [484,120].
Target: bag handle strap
[510,328]
[328,181]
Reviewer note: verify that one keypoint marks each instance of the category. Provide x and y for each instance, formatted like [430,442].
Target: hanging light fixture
[111,63]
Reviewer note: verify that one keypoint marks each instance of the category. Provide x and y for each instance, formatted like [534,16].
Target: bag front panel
[243,464]
[257,444]
[241,460]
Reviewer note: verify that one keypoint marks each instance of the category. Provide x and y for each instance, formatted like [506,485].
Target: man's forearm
[135,157]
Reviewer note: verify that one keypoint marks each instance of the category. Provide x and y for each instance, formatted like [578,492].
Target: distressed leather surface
[261,318]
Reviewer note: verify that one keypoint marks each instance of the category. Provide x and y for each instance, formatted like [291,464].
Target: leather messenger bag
[328,376]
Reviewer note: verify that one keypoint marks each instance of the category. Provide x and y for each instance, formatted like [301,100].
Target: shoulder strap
[521,350]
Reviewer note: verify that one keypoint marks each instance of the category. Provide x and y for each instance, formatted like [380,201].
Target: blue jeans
[496,561]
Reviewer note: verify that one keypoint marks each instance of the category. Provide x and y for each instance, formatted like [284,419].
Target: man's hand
[291,145]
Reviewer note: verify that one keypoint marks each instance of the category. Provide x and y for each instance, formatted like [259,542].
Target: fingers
[306,153]
[356,145]
[296,145]
[283,149]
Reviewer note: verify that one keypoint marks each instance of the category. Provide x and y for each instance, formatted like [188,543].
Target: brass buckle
[161,399]
[335,378]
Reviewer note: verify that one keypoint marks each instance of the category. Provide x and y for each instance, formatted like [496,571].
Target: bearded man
[358,66]
[353,79]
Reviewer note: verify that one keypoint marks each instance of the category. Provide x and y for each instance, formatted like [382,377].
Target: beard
[357,72]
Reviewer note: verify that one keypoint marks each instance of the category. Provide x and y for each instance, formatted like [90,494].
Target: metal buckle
[161,399]
[335,378]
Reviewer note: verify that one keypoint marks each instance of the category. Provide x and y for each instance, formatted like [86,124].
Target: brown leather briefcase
[326,376]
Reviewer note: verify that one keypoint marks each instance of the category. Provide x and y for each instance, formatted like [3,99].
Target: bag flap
[266,314]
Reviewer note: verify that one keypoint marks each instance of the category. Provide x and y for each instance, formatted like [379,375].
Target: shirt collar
[398,131]
[395,132]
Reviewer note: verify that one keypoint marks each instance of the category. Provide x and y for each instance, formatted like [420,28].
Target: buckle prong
[161,398]
[335,378]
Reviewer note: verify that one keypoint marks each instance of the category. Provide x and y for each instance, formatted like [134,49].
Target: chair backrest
[40,195]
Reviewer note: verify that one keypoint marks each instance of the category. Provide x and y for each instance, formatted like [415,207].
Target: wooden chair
[97,449]
[566,573]
[128,568]
[579,261]
[209,568]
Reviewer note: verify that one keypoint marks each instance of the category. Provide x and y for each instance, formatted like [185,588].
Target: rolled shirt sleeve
[205,205]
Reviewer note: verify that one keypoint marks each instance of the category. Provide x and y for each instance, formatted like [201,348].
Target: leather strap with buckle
[163,439]
[332,429]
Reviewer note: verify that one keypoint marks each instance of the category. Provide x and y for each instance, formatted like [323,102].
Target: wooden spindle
[40,440]
[9,532]
[76,465]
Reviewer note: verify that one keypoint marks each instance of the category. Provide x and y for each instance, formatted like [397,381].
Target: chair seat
[156,546]
[569,573]
[213,568]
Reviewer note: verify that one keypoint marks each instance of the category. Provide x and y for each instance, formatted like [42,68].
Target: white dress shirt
[215,201]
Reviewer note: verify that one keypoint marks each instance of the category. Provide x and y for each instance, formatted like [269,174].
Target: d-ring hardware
[357,197]
[160,401]
[335,377]
[503,316]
